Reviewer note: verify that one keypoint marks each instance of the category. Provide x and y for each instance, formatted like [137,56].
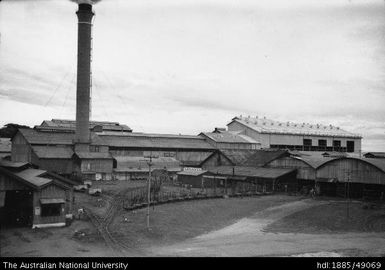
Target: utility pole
[149,163]
[348,194]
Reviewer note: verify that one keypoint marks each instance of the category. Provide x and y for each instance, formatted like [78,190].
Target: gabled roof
[39,137]
[142,140]
[263,125]
[55,152]
[71,125]
[228,137]
[259,172]
[252,157]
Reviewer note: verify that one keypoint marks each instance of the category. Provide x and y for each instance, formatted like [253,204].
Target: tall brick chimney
[83,87]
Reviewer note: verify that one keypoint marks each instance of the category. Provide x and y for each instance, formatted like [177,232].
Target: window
[337,145]
[307,142]
[94,148]
[51,209]
[322,143]
[350,146]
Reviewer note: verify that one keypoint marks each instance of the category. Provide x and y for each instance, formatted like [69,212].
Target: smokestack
[83,87]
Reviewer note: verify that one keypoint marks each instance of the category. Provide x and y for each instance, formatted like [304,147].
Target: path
[247,238]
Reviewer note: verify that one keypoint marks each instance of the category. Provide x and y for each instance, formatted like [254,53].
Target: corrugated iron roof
[56,152]
[12,164]
[156,141]
[33,176]
[263,125]
[127,163]
[229,137]
[34,136]
[93,155]
[192,172]
[71,124]
[270,173]
[378,162]
[252,157]
[52,201]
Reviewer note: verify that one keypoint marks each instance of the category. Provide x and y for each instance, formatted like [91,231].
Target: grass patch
[175,222]
[332,217]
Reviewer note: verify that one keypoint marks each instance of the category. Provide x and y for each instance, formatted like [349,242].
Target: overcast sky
[186,66]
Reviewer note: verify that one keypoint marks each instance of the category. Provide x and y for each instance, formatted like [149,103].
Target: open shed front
[32,197]
[16,208]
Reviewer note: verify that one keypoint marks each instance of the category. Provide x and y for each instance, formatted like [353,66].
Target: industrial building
[222,139]
[365,177]
[33,197]
[296,136]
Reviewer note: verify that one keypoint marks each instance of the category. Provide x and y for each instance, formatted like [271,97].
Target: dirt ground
[274,225]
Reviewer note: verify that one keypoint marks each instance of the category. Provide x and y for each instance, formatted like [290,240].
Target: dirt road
[248,238]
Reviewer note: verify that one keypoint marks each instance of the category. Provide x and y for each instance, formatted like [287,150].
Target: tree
[9,130]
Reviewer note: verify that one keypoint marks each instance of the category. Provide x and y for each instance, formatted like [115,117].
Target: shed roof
[259,172]
[12,164]
[141,140]
[263,125]
[55,152]
[32,176]
[192,172]
[51,201]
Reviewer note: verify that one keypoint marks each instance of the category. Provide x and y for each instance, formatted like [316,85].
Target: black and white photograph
[192,128]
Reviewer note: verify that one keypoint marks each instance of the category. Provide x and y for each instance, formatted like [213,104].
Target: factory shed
[193,178]
[269,178]
[32,197]
[216,159]
[353,177]
[230,140]
[136,168]
[93,165]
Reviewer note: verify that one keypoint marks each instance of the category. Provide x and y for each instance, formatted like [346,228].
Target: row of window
[322,146]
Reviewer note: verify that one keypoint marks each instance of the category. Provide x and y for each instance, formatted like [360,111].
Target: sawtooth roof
[263,125]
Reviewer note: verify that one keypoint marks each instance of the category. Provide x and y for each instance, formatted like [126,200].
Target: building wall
[268,139]
[356,170]
[215,160]
[51,192]
[21,150]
